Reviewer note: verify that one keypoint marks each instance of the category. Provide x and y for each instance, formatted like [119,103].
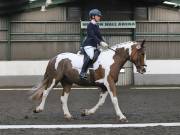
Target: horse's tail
[38,90]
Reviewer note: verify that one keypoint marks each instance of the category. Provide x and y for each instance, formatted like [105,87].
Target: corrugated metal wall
[42,35]
[164,14]
[162,33]
[3,37]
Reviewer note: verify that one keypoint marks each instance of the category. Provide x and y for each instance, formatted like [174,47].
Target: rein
[112,49]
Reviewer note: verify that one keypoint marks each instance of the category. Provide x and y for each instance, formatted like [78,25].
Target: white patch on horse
[101,101]
[115,104]
[105,59]
[126,45]
[100,80]
[76,60]
[64,104]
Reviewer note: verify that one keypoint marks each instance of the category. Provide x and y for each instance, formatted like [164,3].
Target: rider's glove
[104,44]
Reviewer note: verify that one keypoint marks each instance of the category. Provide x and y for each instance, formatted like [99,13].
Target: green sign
[112,24]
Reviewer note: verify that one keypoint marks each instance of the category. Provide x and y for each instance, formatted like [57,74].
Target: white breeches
[89,51]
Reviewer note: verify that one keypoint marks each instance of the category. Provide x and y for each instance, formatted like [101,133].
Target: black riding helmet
[94,12]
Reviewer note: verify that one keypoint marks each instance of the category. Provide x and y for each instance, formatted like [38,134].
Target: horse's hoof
[123,120]
[37,110]
[84,112]
[68,117]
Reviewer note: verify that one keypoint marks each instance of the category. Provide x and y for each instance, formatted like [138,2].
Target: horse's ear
[142,44]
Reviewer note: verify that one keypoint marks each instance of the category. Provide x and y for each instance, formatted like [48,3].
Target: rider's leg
[88,60]
[89,50]
[96,54]
[85,67]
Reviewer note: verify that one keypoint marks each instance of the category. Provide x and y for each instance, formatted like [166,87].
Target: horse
[65,68]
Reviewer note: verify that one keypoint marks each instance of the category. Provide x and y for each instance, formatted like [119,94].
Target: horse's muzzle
[141,69]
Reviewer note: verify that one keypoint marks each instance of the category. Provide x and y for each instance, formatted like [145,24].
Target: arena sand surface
[139,106]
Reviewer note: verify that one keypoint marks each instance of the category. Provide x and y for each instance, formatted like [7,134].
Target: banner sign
[112,24]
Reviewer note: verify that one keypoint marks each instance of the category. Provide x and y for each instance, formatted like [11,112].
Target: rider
[93,40]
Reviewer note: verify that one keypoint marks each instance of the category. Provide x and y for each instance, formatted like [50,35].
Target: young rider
[93,40]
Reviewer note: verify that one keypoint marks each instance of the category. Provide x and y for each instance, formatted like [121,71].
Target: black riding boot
[96,54]
[85,66]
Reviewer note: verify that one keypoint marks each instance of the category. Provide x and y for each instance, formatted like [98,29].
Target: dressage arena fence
[18,73]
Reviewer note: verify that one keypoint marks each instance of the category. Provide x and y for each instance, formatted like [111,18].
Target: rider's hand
[104,44]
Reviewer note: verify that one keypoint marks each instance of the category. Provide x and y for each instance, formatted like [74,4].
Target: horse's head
[137,56]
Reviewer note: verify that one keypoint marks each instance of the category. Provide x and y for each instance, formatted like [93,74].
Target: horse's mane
[121,45]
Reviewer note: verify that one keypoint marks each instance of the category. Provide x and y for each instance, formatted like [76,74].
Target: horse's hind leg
[101,101]
[64,98]
[40,108]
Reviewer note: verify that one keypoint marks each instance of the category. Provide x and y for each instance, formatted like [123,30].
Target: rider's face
[97,18]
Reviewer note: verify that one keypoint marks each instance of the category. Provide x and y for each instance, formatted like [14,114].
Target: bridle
[138,60]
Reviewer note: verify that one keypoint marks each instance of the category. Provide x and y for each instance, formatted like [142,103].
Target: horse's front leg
[111,87]
[101,101]
[64,99]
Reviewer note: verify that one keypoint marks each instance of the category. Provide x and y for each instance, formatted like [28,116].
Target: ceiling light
[48,2]
[171,3]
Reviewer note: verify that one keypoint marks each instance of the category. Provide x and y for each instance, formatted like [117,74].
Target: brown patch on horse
[112,85]
[51,72]
[99,73]
[120,57]
[134,51]
[70,72]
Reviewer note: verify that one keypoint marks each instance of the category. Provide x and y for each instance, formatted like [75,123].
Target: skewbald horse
[65,68]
